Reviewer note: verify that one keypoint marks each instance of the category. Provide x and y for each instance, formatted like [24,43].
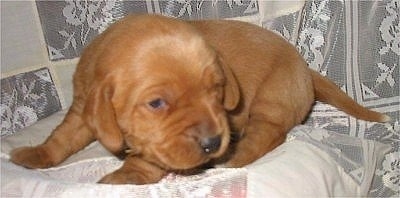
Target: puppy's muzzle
[207,137]
[210,144]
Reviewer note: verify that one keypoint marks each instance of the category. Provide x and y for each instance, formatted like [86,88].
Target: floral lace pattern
[26,98]
[79,180]
[77,22]
[390,172]
[354,43]
[82,20]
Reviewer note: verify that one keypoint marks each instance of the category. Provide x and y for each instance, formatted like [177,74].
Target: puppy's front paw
[31,157]
[133,174]
[121,177]
[115,178]
[135,171]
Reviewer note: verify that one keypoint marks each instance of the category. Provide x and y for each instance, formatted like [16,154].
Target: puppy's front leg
[135,171]
[69,137]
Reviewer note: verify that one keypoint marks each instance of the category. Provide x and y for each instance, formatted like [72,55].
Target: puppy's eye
[157,103]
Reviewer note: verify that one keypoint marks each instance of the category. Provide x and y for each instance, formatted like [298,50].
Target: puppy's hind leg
[272,113]
[69,137]
[261,135]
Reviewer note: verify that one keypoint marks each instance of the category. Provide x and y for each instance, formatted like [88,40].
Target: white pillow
[299,169]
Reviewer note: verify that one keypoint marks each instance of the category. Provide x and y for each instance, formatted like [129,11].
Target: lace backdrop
[354,43]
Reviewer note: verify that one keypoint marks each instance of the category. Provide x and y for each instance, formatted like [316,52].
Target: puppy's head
[162,91]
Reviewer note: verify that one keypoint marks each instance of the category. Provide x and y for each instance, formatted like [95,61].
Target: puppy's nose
[210,144]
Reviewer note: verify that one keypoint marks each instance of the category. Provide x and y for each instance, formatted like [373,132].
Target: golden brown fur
[172,94]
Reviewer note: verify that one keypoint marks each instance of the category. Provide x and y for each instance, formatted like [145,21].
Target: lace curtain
[354,43]
[70,25]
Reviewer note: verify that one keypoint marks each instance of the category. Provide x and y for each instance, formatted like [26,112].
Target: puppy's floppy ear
[100,116]
[231,87]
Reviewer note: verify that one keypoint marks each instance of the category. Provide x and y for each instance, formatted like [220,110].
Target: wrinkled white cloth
[312,162]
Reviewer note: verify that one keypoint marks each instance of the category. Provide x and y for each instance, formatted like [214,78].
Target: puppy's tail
[326,91]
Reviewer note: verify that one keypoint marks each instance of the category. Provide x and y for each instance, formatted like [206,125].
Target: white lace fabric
[79,180]
[312,162]
[354,43]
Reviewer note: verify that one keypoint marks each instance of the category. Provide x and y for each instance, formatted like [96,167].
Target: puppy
[171,94]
